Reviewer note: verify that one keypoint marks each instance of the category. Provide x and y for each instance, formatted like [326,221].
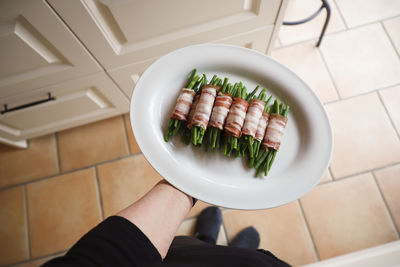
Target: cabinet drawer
[121,32]
[127,76]
[37,48]
[74,103]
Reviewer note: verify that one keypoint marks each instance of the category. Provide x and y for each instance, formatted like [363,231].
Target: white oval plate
[304,154]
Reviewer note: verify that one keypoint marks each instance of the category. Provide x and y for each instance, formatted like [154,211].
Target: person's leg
[208,225]
[247,238]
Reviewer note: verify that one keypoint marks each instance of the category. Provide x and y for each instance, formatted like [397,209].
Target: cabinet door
[76,102]
[127,76]
[37,48]
[122,32]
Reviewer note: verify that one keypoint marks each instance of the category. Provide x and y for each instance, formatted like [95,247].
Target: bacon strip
[183,104]
[205,105]
[192,110]
[220,111]
[236,116]
[262,125]
[274,134]
[253,116]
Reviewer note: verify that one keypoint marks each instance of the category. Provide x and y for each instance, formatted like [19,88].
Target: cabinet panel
[75,103]
[37,49]
[127,76]
[121,32]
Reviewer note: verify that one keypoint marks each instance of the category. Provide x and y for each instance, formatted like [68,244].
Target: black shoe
[247,238]
[208,225]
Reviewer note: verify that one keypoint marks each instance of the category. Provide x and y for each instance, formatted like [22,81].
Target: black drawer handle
[6,109]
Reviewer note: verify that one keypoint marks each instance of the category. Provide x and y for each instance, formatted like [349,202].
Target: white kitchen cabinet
[37,48]
[127,76]
[89,54]
[122,32]
[76,102]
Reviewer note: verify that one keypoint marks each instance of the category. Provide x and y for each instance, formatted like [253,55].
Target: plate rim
[247,50]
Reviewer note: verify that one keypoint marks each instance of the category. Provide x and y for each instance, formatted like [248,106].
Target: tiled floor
[70,181]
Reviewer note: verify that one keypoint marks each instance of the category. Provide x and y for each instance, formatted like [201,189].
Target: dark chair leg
[327,18]
[325,5]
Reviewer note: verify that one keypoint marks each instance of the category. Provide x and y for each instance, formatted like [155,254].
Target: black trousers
[118,242]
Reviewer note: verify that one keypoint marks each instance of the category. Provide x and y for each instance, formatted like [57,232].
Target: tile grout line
[388,114]
[330,74]
[308,229]
[100,199]
[336,32]
[331,173]
[58,152]
[59,253]
[28,239]
[341,14]
[361,94]
[386,205]
[390,38]
[126,134]
[366,172]
[70,171]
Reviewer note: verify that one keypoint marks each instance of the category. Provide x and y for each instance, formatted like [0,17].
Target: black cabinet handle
[6,109]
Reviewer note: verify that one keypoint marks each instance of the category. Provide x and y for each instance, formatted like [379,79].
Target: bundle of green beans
[256,144]
[197,133]
[231,143]
[197,88]
[174,125]
[213,135]
[266,157]
[246,142]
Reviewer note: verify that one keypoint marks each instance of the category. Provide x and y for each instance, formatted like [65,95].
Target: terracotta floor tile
[364,138]
[187,228]
[389,182]
[13,235]
[393,28]
[358,12]
[133,146]
[391,99]
[124,181]
[22,165]
[347,216]
[326,178]
[361,60]
[301,9]
[61,210]
[305,60]
[282,231]
[92,143]
[195,211]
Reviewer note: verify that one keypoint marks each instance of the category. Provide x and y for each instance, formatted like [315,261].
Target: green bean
[280,108]
[260,168]
[285,113]
[213,79]
[191,77]
[276,107]
[216,81]
[234,89]
[224,85]
[192,83]
[250,96]
[272,159]
[250,146]
[258,163]
[267,104]
[244,93]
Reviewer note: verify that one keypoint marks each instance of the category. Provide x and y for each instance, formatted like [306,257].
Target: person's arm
[139,235]
[159,214]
